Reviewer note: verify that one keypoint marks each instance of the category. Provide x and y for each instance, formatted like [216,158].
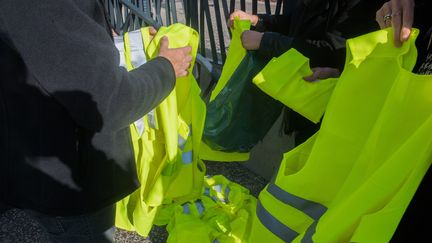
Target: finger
[313,76]
[188,58]
[185,66]
[187,49]
[381,13]
[407,20]
[328,73]
[164,43]
[184,50]
[386,12]
[182,73]
[379,17]
[152,30]
[396,22]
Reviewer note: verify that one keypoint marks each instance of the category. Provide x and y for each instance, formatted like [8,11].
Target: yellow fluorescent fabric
[167,151]
[353,180]
[187,182]
[236,53]
[209,154]
[222,214]
[282,79]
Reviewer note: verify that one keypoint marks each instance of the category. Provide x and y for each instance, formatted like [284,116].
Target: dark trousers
[95,227]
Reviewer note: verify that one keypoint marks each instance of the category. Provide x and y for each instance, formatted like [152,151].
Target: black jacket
[318,29]
[66,106]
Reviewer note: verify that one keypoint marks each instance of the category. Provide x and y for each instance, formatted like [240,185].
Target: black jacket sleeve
[272,23]
[317,32]
[65,46]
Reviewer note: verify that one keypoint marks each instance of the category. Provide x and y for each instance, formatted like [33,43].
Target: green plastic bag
[236,53]
[241,114]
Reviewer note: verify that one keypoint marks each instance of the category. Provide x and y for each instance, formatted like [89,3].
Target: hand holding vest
[167,140]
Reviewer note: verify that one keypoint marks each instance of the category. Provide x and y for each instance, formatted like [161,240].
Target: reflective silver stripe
[207,191]
[200,207]
[151,119]
[307,238]
[274,225]
[218,188]
[227,192]
[140,126]
[119,43]
[136,46]
[186,209]
[187,157]
[181,142]
[312,209]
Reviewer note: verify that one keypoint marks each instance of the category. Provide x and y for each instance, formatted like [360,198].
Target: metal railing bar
[254,6]
[210,30]
[267,7]
[167,12]
[220,29]
[137,12]
[227,13]
[232,6]
[158,11]
[278,7]
[193,4]
[174,11]
[202,31]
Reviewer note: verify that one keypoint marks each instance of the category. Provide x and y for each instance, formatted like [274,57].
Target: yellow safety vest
[222,214]
[282,79]
[353,180]
[236,53]
[166,152]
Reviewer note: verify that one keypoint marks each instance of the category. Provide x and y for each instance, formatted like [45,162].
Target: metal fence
[208,17]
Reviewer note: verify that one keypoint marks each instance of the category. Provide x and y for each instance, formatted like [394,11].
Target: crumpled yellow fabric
[222,214]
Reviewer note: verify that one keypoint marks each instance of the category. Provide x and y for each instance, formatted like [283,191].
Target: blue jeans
[96,227]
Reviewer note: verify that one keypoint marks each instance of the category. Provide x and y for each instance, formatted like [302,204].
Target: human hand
[242,15]
[322,73]
[152,32]
[180,58]
[251,40]
[113,33]
[400,15]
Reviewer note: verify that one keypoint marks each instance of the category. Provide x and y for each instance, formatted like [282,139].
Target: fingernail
[405,33]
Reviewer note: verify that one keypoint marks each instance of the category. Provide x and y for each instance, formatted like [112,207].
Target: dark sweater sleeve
[326,52]
[272,23]
[274,44]
[67,50]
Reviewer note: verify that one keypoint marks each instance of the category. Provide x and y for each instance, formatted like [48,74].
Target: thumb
[164,43]
[312,77]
